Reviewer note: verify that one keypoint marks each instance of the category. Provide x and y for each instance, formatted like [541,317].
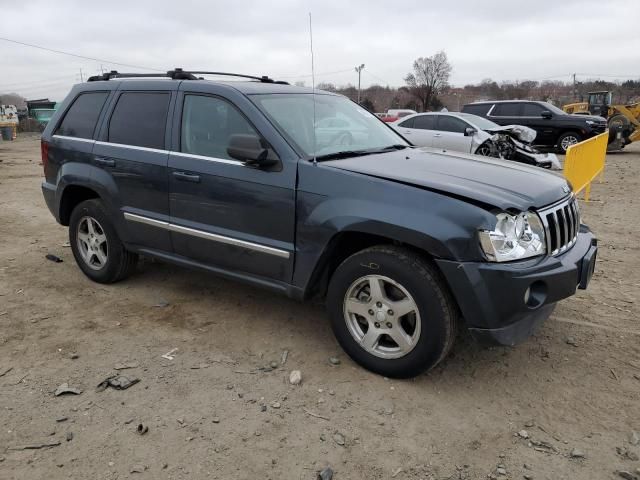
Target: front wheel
[96,246]
[566,140]
[485,150]
[391,311]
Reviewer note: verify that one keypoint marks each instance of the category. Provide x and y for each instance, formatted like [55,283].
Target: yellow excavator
[623,120]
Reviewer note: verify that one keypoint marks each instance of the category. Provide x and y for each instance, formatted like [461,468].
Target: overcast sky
[498,39]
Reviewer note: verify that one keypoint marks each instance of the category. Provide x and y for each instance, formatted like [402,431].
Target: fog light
[527,294]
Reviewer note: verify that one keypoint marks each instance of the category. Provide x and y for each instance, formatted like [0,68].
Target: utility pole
[81,78]
[359,70]
[575,90]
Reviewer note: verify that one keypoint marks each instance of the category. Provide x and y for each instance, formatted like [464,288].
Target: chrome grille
[561,224]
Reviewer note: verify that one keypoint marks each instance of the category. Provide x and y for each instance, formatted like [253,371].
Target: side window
[532,110]
[451,124]
[80,120]
[407,123]
[477,109]
[208,124]
[425,122]
[509,109]
[140,119]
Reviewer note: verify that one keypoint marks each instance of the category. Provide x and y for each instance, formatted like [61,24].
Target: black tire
[437,309]
[565,136]
[119,264]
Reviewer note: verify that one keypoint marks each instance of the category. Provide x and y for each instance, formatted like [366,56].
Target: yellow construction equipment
[623,120]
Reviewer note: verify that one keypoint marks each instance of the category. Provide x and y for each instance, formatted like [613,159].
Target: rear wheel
[391,311]
[96,246]
[567,139]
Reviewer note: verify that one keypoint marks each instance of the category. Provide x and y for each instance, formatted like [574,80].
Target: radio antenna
[313,90]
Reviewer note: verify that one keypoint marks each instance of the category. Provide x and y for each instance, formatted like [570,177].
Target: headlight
[591,122]
[514,237]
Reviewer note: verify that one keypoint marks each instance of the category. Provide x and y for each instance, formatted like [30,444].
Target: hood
[522,133]
[498,183]
[572,117]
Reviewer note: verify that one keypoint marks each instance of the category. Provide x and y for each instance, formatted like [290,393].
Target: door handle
[107,162]
[437,135]
[186,177]
[407,133]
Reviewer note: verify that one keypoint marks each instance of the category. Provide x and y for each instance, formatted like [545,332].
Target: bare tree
[429,79]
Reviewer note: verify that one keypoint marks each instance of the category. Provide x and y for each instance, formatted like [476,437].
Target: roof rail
[178,74]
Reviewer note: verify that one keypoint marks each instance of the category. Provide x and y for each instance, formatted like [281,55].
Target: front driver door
[451,134]
[225,214]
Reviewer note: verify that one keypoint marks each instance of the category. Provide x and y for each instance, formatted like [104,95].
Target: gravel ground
[214,411]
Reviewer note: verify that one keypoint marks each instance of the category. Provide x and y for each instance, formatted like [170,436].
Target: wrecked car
[464,132]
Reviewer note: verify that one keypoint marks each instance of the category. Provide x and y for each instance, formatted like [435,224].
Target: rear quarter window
[140,119]
[81,118]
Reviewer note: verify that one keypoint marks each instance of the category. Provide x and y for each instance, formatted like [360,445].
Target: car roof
[485,102]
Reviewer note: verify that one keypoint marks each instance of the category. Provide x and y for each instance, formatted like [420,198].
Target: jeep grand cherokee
[231,177]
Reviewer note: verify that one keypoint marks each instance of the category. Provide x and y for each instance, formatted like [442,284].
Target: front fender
[441,226]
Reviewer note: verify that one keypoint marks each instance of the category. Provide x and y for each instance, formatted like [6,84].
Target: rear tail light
[44,152]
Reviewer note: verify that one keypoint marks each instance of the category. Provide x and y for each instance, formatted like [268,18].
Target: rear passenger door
[132,155]
[225,214]
[450,134]
[419,130]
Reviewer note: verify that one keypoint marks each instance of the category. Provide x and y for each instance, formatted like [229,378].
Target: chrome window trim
[134,147]
[78,139]
[209,159]
[172,152]
[206,235]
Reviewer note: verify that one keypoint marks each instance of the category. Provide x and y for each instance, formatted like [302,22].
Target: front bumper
[503,303]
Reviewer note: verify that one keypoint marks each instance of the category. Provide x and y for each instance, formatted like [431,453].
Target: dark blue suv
[306,193]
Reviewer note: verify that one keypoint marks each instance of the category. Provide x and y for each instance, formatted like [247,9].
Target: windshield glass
[340,124]
[480,122]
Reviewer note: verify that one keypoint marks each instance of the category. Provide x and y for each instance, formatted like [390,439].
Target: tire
[96,247]
[567,139]
[403,275]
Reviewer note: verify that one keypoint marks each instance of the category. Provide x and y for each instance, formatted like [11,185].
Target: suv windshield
[340,124]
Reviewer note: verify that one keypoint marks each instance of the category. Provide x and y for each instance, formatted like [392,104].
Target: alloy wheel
[568,141]
[382,316]
[92,243]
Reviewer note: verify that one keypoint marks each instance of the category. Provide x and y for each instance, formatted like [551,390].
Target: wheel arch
[71,196]
[344,244]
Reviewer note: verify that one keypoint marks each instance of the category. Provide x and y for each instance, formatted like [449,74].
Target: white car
[465,132]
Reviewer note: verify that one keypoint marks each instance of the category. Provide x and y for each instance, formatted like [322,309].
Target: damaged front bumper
[503,303]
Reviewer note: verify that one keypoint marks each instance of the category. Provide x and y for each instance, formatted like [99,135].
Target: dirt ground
[213,412]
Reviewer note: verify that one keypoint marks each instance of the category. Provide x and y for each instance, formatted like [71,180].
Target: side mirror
[469,132]
[546,114]
[253,151]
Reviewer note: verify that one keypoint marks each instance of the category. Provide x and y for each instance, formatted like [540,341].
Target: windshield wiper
[343,154]
[359,153]
[397,146]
